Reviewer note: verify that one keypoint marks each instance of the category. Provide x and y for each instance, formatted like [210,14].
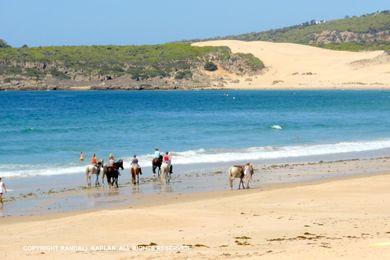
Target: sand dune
[300,66]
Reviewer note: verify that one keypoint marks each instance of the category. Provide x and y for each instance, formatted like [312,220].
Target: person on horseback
[156,161]
[94,160]
[134,163]
[111,160]
[167,160]
[156,153]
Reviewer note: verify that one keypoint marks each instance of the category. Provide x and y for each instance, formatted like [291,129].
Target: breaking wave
[211,156]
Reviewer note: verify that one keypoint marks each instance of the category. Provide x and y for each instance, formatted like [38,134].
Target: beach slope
[295,66]
[345,218]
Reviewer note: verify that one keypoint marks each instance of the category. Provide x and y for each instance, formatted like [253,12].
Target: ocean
[43,133]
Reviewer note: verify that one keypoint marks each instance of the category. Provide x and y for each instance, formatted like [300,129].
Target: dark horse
[112,173]
[156,164]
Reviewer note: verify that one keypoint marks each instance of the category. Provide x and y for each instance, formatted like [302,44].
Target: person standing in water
[81,156]
[3,189]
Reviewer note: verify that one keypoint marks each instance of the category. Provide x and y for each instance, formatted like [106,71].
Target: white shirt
[1,187]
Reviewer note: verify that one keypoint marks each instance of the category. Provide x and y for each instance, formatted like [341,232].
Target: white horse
[237,172]
[165,175]
[93,169]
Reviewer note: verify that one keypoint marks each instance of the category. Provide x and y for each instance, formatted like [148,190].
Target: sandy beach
[295,66]
[334,218]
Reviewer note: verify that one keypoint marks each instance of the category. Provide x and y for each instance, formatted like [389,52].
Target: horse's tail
[230,177]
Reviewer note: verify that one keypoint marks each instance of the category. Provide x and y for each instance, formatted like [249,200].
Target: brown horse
[135,172]
[112,173]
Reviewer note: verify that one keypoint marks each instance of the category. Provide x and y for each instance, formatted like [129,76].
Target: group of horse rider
[162,162]
[94,160]
[157,156]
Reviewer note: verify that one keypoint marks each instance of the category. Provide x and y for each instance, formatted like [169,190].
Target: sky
[89,22]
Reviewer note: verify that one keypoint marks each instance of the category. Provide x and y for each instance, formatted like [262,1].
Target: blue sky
[86,22]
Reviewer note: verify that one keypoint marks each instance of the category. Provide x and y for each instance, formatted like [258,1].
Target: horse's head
[119,164]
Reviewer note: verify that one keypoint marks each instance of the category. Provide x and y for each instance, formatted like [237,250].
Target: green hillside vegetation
[141,62]
[303,33]
[347,46]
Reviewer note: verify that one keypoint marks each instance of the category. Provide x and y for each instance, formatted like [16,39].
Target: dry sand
[294,66]
[347,218]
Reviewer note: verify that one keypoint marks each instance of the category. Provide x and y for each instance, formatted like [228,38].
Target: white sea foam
[276,127]
[212,156]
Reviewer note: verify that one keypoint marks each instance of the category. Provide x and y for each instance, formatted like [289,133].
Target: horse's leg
[247,180]
[89,179]
[230,179]
[241,183]
[116,179]
[132,176]
[162,176]
[97,180]
[108,177]
[231,182]
[138,176]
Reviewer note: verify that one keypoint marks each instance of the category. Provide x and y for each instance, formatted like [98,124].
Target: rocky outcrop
[328,36]
[57,75]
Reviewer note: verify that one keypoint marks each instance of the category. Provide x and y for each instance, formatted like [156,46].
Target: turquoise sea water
[43,133]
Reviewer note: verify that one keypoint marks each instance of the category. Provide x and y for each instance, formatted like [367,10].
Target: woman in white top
[3,189]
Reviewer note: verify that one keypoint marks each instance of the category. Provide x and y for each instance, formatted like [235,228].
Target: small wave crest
[210,156]
[276,127]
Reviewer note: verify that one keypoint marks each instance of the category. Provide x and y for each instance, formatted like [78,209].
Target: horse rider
[157,153]
[111,160]
[134,163]
[94,160]
[167,160]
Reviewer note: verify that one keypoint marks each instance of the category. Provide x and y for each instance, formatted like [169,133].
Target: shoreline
[227,88]
[69,199]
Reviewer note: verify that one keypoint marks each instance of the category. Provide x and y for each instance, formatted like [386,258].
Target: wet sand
[344,217]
